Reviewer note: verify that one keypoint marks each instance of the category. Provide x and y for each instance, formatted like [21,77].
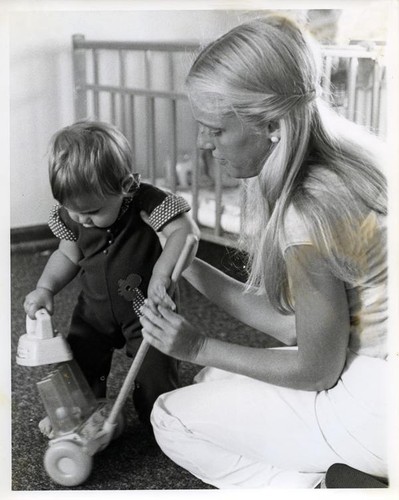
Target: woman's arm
[322,325]
[253,310]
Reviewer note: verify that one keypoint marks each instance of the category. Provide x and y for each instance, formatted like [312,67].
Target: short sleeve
[295,230]
[171,207]
[58,226]
[161,206]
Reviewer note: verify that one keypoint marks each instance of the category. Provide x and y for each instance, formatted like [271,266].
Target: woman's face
[234,145]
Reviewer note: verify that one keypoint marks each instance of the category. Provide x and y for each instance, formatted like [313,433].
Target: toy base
[36,352]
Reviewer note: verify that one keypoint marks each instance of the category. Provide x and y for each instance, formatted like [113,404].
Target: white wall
[41,82]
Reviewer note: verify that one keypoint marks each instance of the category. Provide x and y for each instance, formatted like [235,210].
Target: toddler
[119,257]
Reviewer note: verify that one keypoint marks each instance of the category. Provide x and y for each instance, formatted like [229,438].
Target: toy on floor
[78,425]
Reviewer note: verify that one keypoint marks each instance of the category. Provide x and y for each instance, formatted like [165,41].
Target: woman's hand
[170,333]
[40,298]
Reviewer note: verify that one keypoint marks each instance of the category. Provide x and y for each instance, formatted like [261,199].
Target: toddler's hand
[46,428]
[157,291]
[39,298]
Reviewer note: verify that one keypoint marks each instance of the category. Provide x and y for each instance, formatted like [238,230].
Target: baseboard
[32,238]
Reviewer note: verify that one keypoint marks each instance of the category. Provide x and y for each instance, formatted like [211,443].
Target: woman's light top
[367,298]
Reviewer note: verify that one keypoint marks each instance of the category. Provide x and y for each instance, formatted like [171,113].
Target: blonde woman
[316,242]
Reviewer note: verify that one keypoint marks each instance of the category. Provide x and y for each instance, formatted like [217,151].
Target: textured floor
[133,462]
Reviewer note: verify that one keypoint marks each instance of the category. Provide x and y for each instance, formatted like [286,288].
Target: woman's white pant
[232,431]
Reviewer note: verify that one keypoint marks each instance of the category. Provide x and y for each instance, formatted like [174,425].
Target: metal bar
[172,119]
[79,73]
[113,107]
[138,92]
[122,84]
[171,71]
[171,175]
[151,147]
[126,45]
[349,52]
[375,97]
[150,119]
[96,101]
[352,75]
[327,78]
[133,130]
[182,46]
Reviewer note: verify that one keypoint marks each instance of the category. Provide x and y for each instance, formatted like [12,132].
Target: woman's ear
[273,129]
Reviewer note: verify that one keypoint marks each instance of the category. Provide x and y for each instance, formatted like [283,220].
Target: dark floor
[133,462]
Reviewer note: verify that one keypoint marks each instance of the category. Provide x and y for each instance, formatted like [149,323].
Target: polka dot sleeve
[171,207]
[58,227]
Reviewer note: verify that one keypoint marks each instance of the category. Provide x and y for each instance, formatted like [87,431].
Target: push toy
[79,424]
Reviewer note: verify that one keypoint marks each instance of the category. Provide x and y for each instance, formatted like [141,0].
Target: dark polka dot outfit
[116,267]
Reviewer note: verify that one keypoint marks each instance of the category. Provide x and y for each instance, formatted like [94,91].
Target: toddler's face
[93,211]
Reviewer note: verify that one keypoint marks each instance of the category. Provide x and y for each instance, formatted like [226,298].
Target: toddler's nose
[84,219]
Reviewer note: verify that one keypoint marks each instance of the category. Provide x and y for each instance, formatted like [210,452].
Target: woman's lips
[220,160]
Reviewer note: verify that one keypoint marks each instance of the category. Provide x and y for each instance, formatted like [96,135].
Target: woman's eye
[215,133]
[209,131]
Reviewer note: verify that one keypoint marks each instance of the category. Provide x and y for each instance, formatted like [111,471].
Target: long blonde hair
[267,71]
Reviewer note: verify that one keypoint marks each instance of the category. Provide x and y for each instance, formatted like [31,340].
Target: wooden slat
[376,97]
[113,107]
[151,146]
[122,84]
[327,78]
[352,75]
[138,91]
[96,100]
[132,129]
[139,46]
[218,201]
[79,72]
[171,175]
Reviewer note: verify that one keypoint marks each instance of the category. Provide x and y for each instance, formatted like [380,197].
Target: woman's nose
[204,141]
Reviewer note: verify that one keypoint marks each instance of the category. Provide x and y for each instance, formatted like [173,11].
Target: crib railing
[139,86]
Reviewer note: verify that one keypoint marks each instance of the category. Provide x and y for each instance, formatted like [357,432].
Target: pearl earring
[274,139]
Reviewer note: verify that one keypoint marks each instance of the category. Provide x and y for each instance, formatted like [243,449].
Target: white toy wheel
[67,464]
